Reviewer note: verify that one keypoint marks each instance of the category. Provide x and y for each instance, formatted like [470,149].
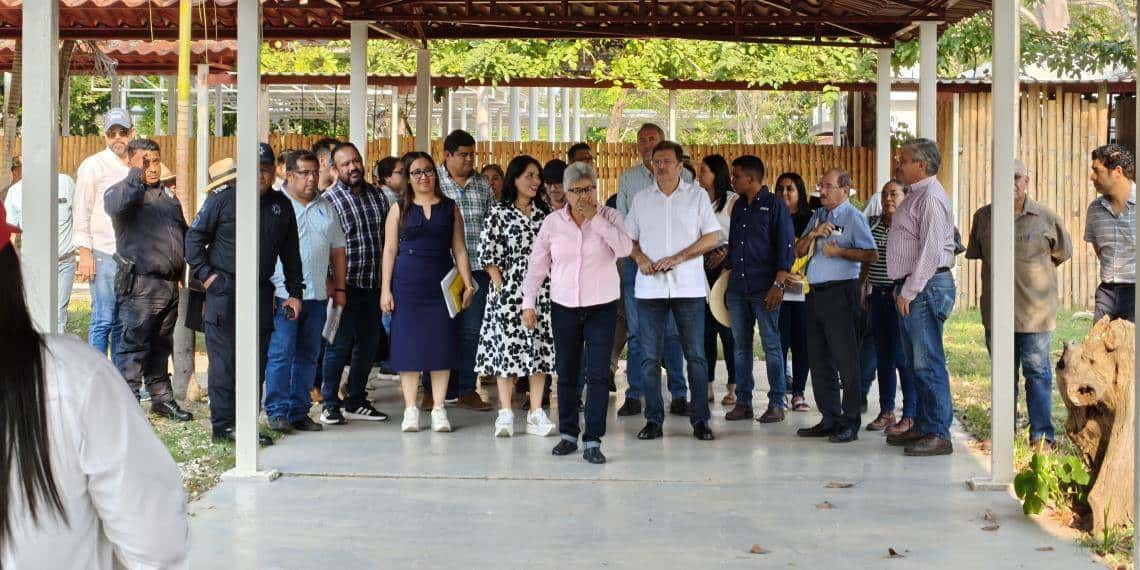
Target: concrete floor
[366,495]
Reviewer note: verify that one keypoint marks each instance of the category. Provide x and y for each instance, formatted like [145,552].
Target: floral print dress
[506,347]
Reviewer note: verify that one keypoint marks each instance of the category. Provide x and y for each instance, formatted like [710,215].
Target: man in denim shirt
[843,244]
[761,250]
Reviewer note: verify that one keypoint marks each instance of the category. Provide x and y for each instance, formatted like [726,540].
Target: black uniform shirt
[149,226]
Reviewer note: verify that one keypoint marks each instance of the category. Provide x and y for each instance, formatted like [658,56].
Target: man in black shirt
[149,229]
[210,252]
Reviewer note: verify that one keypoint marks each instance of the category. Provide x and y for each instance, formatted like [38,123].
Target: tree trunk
[613,128]
[183,355]
[1097,383]
[12,105]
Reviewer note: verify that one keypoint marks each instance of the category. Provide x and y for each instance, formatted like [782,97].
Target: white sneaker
[505,424]
[439,420]
[411,420]
[538,424]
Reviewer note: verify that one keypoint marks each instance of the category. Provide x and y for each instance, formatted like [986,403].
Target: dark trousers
[833,335]
[583,334]
[1117,300]
[354,346]
[218,320]
[652,316]
[793,338]
[148,315]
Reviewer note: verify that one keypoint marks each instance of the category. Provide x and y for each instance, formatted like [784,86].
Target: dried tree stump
[1096,379]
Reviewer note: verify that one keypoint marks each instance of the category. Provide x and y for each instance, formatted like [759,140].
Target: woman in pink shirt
[577,247]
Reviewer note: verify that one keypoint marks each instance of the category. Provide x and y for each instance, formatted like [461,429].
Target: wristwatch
[779,285]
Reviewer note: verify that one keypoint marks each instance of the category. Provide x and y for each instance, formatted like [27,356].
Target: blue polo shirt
[856,234]
[761,242]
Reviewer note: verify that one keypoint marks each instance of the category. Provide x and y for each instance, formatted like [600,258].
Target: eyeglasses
[583,190]
[422,173]
[664,163]
[828,186]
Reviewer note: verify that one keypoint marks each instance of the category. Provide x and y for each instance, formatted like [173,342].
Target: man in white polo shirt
[672,225]
[94,235]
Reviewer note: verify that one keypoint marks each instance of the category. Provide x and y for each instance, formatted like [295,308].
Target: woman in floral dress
[507,350]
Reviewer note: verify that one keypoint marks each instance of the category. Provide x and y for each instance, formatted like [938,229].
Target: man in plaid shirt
[460,182]
[362,209]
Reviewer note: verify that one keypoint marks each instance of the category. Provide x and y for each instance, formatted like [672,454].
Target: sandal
[730,397]
[799,404]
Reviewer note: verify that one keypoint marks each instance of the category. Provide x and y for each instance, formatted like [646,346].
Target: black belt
[830,284]
[936,271]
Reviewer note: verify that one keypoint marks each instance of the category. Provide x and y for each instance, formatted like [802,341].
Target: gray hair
[577,171]
[842,177]
[1020,168]
[925,150]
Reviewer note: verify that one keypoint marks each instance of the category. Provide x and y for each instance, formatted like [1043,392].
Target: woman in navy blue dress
[423,241]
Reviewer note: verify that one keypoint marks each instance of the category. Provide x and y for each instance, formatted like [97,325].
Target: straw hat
[165,175]
[716,300]
[221,172]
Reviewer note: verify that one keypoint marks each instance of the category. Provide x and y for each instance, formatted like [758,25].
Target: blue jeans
[583,340]
[689,314]
[470,323]
[66,281]
[922,344]
[744,310]
[1031,356]
[869,364]
[356,339]
[793,337]
[674,355]
[105,328]
[889,352]
[291,365]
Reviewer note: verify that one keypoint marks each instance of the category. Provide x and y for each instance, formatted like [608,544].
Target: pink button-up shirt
[922,236]
[579,260]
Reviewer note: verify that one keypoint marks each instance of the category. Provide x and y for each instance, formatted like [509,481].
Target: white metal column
[672,115]
[565,113]
[159,128]
[171,104]
[219,110]
[462,113]
[395,133]
[449,113]
[358,88]
[513,101]
[202,140]
[116,91]
[248,214]
[1006,90]
[551,117]
[836,129]
[578,115]
[532,113]
[482,114]
[928,79]
[423,100]
[40,252]
[883,118]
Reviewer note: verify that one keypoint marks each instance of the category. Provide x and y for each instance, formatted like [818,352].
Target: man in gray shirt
[1110,227]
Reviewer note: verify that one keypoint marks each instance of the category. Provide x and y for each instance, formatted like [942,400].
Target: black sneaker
[680,407]
[227,436]
[307,424]
[280,424]
[331,416]
[564,447]
[631,407]
[367,413]
[171,410]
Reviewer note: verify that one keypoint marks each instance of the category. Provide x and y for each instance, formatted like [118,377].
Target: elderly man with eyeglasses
[295,346]
[920,253]
[843,248]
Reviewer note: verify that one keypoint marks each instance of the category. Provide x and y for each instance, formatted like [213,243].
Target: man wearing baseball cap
[210,253]
[94,235]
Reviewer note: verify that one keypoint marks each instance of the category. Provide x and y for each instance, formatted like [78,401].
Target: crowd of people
[548,281]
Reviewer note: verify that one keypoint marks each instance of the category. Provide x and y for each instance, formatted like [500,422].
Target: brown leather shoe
[739,412]
[906,424]
[904,438]
[472,401]
[885,420]
[773,414]
[427,403]
[929,445]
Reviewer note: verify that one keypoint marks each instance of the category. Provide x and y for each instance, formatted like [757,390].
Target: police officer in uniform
[149,231]
[210,252]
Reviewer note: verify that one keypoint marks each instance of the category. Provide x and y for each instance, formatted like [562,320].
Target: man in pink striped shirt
[920,253]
